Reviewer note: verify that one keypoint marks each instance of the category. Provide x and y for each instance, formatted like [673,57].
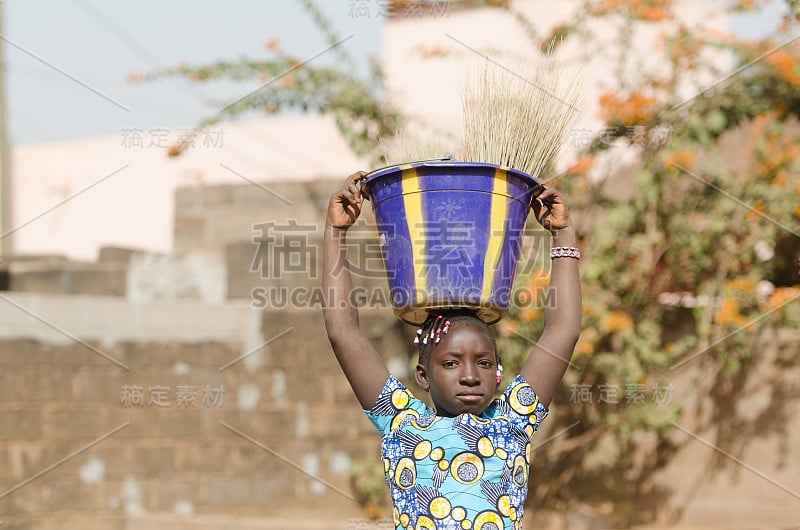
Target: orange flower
[288,81]
[786,66]
[427,52]
[272,44]
[508,326]
[539,281]
[742,285]
[744,5]
[617,321]
[680,158]
[647,10]
[175,150]
[782,296]
[133,76]
[584,347]
[663,83]
[581,166]
[589,310]
[607,6]
[530,314]
[728,313]
[586,343]
[753,214]
[636,109]
[651,13]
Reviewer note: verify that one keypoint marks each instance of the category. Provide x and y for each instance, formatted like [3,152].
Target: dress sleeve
[524,408]
[394,404]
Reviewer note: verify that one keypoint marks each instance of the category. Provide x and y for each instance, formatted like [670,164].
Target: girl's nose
[469,376]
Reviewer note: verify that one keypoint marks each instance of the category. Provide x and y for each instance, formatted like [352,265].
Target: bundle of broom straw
[520,117]
[517,116]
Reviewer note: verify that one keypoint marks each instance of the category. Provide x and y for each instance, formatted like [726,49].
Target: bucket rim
[443,162]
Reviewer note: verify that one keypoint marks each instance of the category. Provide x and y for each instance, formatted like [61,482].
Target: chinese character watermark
[654,137]
[369,524]
[630,394]
[159,138]
[393,9]
[159,396]
[285,249]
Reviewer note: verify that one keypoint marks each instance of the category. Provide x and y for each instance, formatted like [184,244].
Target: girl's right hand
[345,205]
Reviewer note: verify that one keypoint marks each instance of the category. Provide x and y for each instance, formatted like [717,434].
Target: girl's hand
[345,205]
[550,210]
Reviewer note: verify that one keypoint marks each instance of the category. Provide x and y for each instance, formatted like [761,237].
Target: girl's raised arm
[363,367]
[551,354]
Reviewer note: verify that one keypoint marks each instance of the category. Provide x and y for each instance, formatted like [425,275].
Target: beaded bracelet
[565,252]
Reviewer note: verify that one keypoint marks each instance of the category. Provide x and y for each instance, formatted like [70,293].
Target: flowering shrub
[691,278]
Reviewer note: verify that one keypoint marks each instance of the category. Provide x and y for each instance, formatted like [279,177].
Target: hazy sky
[67,60]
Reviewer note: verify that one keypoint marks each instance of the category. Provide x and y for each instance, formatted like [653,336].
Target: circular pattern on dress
[440,508]
[523,399]
[437,454]
[458,513]
[504,505]
[422,450]
[488,520]
[405,474]
[400,398]
[402,416]
[485,447]
[467,468]
[529,431]
[526,396]
[425,523]
[520,473]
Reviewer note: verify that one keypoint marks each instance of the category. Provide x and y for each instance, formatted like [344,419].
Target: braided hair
[439,322]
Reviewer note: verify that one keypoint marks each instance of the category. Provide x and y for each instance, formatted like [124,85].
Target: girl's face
[461,371]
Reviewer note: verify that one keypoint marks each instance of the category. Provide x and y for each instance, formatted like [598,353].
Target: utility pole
[5,167]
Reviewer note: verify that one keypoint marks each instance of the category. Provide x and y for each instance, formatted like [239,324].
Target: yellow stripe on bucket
[412,203]
[497,221]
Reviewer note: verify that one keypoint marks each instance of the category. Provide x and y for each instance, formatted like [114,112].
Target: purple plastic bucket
[451,234]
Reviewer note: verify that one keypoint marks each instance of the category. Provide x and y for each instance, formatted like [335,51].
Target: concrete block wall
[77,340]
[208,217]
[59,275]
[271,237]
[278,443]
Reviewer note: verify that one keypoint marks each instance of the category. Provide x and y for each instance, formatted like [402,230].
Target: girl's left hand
[550,210]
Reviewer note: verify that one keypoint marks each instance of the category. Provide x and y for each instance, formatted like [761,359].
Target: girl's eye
[486,364]
[449,364]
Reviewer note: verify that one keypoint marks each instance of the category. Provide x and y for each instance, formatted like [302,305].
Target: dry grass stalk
[413,143]
[520,117]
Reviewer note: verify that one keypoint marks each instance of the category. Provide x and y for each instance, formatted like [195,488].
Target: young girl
[465,464]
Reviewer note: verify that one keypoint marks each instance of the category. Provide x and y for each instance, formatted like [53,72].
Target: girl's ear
[421,375]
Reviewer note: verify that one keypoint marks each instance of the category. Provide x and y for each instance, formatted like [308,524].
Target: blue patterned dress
[463,473]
